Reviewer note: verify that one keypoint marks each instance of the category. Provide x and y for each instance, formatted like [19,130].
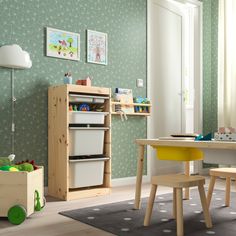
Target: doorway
[174,74]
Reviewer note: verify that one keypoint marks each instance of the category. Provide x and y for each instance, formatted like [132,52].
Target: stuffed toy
[21,167]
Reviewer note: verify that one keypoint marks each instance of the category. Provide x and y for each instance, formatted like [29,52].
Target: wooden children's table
[219,152]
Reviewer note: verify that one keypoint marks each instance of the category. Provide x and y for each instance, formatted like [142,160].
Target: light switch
[139,83]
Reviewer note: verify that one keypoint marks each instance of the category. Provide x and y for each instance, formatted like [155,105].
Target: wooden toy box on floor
[18,188]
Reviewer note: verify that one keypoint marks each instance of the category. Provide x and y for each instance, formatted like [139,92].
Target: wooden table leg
[137,203]
[187,172]
[179,212]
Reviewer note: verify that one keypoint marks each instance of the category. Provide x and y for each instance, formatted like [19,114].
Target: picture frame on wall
[62,44]
[97,47]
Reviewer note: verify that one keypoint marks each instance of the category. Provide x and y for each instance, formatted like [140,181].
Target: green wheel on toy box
[16,214]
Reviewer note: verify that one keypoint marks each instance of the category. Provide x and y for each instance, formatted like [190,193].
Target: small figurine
[68,78]
[70,108]
[75,108]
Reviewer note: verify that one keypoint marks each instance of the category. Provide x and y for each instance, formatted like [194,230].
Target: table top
[187,143]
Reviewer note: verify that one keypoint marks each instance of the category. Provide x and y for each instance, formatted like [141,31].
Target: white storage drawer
[86,117]
[86,141]
[87,98]
[86,172]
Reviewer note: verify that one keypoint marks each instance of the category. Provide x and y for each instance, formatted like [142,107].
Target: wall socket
[139,83]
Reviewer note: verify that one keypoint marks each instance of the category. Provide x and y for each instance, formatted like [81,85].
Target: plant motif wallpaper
[24,22]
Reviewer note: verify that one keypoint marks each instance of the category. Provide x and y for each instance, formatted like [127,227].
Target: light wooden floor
[50,223]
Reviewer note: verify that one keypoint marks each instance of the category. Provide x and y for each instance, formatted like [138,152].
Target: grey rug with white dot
[121,219]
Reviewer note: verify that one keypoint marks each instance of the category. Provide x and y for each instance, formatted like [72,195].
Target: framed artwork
[97,47]
[63,44]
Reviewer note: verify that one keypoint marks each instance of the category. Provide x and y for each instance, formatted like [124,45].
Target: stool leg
[179,212]
[187,172]
[150,205]
[204,206]
[210,190]
[227,192]
[174,203]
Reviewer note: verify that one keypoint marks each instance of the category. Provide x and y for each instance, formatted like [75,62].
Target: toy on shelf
[84,107]
[79,107]
[141,109]
[86,82]
[75,108]
[68,78]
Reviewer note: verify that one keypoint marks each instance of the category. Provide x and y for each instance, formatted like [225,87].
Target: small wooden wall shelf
[148,106]
[59,144]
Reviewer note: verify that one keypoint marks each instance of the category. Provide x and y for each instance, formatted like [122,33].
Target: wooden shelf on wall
[132,114]
[148,106]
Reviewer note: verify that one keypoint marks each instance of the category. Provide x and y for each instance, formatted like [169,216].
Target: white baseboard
[117,182]
[128,181]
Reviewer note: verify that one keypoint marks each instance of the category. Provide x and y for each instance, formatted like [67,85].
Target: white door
[166,73]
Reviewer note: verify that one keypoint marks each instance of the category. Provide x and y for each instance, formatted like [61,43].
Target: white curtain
[227,64]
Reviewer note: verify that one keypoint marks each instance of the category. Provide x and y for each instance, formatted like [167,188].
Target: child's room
[117,117]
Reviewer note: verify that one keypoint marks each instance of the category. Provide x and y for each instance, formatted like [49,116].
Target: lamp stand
[13,100]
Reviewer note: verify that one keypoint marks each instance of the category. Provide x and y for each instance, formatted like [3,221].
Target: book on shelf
[124,96]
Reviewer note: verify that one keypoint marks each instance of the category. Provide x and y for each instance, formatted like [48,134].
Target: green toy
[24,167]
[21,167]
[8,168]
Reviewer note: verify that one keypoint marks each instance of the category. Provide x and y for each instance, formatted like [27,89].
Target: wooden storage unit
[58,142]
[18,188]
[148,106]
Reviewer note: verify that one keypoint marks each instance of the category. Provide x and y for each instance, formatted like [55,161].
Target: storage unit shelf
[135,105]
[88,130]
[132,114]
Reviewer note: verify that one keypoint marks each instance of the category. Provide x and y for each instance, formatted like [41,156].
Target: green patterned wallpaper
[23,22]
[210,42]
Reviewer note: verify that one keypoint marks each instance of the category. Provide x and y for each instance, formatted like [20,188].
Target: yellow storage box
[178,153]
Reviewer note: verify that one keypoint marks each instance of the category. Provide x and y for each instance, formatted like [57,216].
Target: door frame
[198,116]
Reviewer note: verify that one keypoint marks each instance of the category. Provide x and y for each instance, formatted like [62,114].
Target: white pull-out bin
[86,117]
[86,141]
[86,172]
[87,98]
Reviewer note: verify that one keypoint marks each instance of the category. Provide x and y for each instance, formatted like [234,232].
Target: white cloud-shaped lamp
[12,56]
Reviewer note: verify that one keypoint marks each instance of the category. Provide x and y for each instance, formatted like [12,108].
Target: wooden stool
[178,182]
[228,173]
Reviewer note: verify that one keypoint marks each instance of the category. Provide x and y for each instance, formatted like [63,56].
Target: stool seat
[223,172]
[178,182]
[227,173]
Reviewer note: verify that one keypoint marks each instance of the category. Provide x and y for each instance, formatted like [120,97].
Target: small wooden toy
[86,82]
